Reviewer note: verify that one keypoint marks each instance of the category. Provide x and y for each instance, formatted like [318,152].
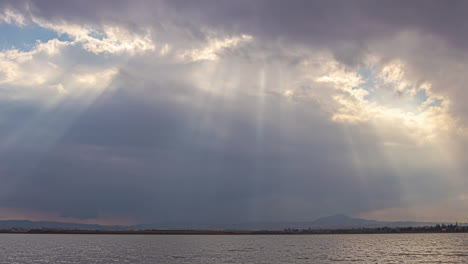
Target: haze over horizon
[127,112]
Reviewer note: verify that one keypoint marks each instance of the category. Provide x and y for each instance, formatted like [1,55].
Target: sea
[218,249]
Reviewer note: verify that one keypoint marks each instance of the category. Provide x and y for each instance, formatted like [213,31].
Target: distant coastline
[380,230]
[324,225]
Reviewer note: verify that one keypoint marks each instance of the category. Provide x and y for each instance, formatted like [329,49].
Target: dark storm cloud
[339,24]
[140,150]
[133,157]
[127,155]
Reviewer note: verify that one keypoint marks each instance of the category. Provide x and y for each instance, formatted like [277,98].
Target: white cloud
[108,39]
[10,16]
[92,79]
[213,47]
[421,122]
[52,69]
[31,68]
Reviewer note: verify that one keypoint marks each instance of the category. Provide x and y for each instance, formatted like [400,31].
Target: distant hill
[345,221]
[329,222]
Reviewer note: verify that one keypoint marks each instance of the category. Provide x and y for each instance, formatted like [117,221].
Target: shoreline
[226,232]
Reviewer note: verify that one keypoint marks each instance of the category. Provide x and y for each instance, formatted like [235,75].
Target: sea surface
[218,249]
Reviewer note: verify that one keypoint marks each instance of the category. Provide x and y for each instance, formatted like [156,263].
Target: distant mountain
[329,222]
[345,221]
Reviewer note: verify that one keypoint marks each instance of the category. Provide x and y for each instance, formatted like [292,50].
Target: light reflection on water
[161,249]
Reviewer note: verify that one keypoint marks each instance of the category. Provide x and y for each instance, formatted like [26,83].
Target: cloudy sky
[116,111]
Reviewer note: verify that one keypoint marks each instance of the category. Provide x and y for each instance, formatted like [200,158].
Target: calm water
[389,248]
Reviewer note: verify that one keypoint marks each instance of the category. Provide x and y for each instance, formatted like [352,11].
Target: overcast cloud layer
[234,111]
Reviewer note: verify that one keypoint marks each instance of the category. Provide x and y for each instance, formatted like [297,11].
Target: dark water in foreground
[160,249]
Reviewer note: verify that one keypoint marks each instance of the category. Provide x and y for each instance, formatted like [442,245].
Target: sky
[122,112]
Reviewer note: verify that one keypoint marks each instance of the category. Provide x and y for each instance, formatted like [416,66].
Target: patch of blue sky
[421,96]
[369,80]
[436,103]
[366,73]
[385,95]
[24,38]
[97,34]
